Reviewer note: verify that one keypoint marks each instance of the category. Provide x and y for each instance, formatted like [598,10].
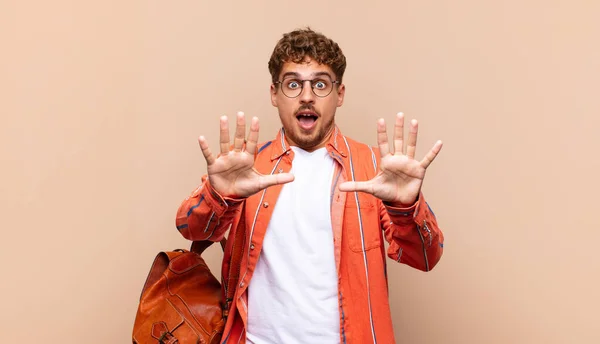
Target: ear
[341,92]
[273,95]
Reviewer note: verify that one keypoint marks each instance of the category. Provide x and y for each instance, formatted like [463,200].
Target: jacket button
[252,246]
[242,285]
[266,204]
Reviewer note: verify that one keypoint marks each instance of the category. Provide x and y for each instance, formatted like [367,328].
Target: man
[315,207]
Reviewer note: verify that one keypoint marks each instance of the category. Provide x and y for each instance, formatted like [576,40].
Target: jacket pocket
[361,224]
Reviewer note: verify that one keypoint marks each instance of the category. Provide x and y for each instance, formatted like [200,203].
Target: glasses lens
[322,86]
[291,87]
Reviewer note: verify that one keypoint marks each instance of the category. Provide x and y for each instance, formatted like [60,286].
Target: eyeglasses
[292,87]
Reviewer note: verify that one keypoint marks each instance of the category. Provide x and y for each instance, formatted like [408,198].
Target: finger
[399,134]
[224,136]
[252,136]
[433,152]
[357,186]
[240,132]
[210,159]
[382,139]
[411,146]
[265,181]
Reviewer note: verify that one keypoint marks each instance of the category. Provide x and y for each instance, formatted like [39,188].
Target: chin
[307,141]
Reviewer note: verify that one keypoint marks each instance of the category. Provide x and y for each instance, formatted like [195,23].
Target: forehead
[306,69]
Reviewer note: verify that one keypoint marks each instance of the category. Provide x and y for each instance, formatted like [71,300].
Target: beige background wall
[101,103]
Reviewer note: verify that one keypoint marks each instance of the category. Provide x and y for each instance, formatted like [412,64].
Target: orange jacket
[360,223]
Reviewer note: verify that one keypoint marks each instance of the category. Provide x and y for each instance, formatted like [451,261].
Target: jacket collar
[336,143]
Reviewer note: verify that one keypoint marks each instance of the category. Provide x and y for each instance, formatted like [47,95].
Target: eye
[292,84]
[320,84]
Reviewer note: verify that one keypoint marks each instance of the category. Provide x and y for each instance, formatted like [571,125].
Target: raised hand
[232,173]
[400,177]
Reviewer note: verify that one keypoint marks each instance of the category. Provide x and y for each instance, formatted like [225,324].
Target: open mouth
[307,119]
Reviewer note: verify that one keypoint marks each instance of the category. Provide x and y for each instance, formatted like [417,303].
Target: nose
[307,96]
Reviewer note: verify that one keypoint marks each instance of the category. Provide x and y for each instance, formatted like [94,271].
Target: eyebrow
[294,74]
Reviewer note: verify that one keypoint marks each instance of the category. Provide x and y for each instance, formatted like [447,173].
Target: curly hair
[296,45]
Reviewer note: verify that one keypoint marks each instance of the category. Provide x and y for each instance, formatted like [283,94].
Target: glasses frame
[312,87]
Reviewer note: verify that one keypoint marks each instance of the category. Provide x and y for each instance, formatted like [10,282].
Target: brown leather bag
[182,301]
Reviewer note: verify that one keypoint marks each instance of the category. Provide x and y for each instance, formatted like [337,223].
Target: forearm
[413,234]
[205,215]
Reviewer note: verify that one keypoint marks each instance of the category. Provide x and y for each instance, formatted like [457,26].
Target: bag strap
[199,246]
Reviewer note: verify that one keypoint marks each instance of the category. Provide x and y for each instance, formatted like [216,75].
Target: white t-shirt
[293,293]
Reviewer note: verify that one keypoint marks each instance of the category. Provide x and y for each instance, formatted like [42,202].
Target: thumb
[357,186]
[264,181]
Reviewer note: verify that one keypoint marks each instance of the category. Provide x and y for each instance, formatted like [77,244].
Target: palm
[400,177]
[232,173]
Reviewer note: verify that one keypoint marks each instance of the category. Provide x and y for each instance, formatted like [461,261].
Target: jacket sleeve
[206,215]
[413,234]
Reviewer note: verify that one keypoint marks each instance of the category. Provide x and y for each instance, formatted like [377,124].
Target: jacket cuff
[403,214]
[218,203]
